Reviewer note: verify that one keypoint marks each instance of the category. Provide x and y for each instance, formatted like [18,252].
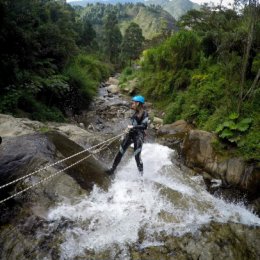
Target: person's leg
[138,144]
[124,145]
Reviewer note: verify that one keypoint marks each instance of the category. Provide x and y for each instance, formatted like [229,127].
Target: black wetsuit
[136,136]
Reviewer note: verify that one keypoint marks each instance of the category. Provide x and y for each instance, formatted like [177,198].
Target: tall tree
[86,33]
[252,14]
[132,42]
[112,37]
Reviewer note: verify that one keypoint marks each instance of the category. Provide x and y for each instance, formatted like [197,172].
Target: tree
[86,33]
[112,37]
[252,14]
[132,42]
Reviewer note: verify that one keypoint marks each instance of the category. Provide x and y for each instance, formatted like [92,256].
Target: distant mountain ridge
[153,21]
[83,3]
[174,7]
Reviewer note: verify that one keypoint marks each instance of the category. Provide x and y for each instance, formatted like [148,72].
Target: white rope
[56,173]
[63,160]
[43,180]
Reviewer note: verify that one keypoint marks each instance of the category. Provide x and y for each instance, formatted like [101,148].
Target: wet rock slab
[25,154]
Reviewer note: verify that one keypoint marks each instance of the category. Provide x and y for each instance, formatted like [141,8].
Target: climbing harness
[99,147]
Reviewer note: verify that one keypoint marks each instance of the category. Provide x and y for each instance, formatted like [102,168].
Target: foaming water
[164,200]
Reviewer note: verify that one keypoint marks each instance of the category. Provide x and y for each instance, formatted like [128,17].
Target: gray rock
[113,89]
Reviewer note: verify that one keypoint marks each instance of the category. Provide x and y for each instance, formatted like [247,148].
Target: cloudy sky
[225,2]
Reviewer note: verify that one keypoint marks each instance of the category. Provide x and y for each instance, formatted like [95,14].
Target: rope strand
[43,180]
[63,160]
[56,173]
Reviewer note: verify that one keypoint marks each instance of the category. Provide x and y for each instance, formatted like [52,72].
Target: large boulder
[198,152]
[177,129]
[173,134]
[11,126]
[130,87]
[25,154]
[196,149]
[113,89]
[112,81]
[217,241]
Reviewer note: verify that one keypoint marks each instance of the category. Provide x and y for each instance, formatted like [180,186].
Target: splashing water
[164,200]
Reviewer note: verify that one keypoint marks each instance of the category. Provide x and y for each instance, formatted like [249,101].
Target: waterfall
[163,200]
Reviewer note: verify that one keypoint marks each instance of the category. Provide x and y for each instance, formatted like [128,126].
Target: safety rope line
[43,180]
[63,160]
[56,173]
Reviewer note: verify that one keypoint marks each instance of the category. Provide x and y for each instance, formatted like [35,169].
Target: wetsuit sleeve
[144,123]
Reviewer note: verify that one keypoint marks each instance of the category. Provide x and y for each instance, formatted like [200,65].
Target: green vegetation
[48,65]
[112,37]
[53,57]
[84,76]
[232,130]
[153,20]
[133,42]
[209,75]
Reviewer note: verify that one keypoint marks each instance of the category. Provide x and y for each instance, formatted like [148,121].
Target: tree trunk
[252,19]
[254,85]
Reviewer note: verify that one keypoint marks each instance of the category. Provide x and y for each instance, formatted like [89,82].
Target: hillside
[175,7]
[152,20]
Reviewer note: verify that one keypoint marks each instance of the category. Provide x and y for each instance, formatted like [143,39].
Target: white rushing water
[164,200]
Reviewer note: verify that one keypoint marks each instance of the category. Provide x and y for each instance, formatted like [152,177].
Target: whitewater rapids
[163,200]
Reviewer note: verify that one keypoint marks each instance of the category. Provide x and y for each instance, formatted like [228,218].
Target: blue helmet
[138,99]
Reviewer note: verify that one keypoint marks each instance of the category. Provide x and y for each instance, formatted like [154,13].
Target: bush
[84,75]
[39,111]
[79,79]
[173,110]
[93,67]
[180,51]
[127,74]
[127,71]
[9,102]
[249,145]
[43,113]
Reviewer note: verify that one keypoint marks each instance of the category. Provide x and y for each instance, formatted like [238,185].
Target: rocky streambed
[82,214]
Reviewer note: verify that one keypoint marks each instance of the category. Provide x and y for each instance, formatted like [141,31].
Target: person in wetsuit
[135,134]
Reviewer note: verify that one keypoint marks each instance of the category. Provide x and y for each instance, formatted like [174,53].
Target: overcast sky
[225,2]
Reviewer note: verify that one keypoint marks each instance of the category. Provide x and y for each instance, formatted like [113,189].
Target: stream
[140,212]
[165,214]
[163,201]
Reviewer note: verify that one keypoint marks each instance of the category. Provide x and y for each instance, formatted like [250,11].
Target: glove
[128,129]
